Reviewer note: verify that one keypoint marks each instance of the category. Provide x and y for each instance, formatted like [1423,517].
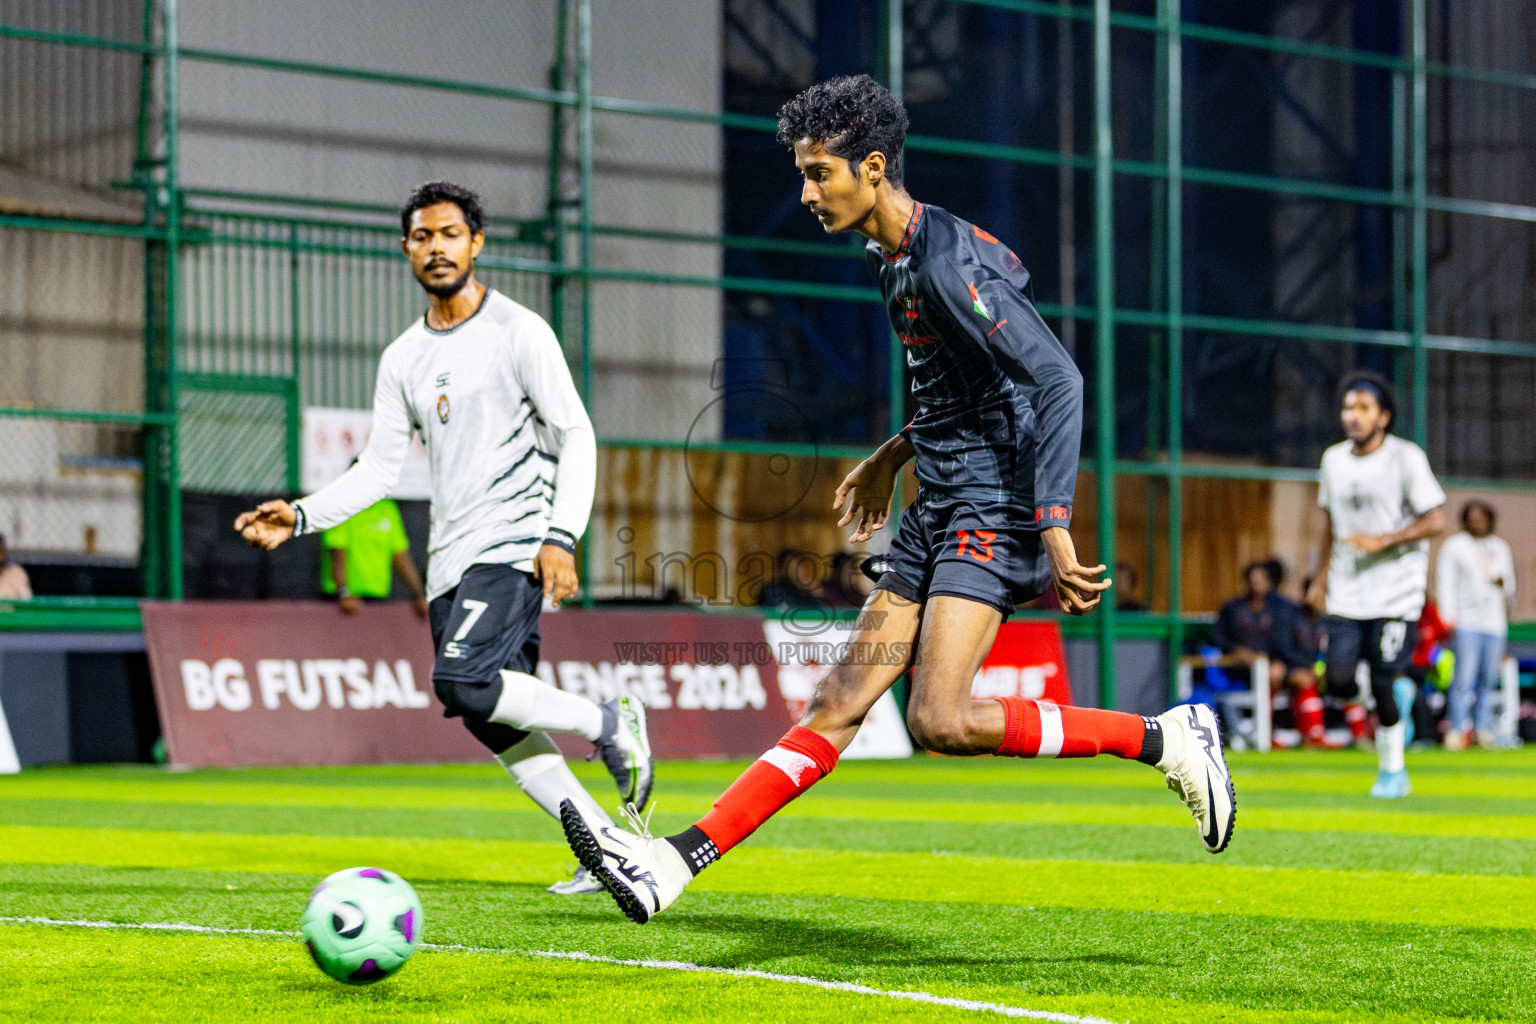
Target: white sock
[1389,747]
[529,703]
[535,764]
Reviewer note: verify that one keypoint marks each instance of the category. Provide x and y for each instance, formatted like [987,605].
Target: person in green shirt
[360,555]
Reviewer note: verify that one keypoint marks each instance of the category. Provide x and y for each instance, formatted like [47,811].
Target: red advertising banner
[710,683]
[280,682]
[1027,660]
[298,683]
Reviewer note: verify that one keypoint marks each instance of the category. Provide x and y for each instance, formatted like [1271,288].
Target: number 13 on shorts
[976,543]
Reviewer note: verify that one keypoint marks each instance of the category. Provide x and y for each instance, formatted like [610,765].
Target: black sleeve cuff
[300,520]
[563,539]
[1053,515]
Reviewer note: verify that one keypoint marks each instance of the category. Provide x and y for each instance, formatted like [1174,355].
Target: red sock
[1309,713]
[1355,715]
[800,759]
[1038,728]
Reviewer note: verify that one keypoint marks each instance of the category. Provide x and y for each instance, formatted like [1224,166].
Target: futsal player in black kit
[996,439]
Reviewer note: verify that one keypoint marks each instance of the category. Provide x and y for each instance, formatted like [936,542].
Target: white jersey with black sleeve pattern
[1376,494]
[512,451]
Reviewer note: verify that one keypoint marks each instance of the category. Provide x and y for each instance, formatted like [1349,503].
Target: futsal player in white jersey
[1382,504]
[514,459]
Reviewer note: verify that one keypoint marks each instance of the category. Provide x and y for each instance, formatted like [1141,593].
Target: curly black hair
[1368,380]
[852,116]
[434,192]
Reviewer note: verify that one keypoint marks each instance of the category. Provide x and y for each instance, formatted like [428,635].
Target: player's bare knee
[941,730]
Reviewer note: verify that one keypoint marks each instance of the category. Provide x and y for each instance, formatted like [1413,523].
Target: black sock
[1152,742]
[698,850]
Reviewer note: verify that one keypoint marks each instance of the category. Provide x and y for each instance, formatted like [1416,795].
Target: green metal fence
[256,304]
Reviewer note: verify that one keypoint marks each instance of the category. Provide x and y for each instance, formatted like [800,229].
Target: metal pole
[555,197]
[1399,187]
[295,344]
[896,364]
[1420,142]
[584,159]
[896,377]
[1104,278]
[1173,43]
[1066,180]
[172,195]
[894,58]
[155,441]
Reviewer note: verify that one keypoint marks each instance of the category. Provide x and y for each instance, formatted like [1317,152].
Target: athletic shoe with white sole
[582,883]
[643,874]
[625,747]
[1197,770]
[1391,785]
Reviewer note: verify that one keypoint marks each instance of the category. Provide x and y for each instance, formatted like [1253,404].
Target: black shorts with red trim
[956,547]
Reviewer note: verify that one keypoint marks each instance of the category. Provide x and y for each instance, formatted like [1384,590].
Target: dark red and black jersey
[1000,402]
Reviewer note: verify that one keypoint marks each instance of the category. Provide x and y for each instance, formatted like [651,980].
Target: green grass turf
[1074,887]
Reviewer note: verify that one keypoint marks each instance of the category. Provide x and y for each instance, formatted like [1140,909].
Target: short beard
[449,290]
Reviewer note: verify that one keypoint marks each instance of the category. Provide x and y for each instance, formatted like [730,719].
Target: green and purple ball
[362,924]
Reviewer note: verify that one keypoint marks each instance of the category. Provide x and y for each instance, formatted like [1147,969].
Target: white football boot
[1197,771]
[581,883]
[643,874]
[625,747]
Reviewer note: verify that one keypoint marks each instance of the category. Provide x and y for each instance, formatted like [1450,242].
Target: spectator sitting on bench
[1262,623]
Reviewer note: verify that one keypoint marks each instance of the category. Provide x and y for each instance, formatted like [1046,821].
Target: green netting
[233,442]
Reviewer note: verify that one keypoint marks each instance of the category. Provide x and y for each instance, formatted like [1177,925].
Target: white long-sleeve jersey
[512,451]
[1474,583]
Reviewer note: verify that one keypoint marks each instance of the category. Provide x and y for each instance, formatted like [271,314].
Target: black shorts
[954,547]
[1386,645]
[489,622]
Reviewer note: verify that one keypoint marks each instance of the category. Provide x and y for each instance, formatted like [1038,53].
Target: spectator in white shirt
[1475,581]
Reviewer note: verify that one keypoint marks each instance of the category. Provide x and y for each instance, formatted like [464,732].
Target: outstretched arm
[371,478]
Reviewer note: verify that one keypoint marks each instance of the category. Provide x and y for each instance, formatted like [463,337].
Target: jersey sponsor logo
[915,340]
[910,304]
[442,408]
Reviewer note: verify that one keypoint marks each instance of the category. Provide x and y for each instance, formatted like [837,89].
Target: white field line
[663,965]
